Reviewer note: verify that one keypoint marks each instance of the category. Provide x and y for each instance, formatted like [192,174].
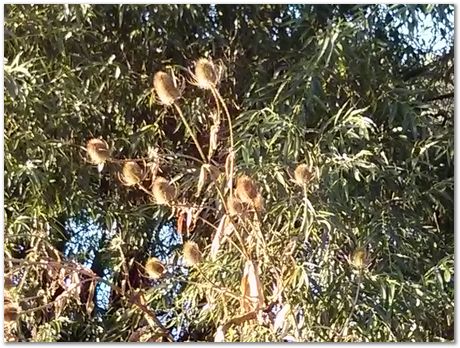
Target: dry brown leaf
[180,222]
[228,170]
[202,178]
[89,301]
[217,238]
[190,212]
[251,288]
[76,284]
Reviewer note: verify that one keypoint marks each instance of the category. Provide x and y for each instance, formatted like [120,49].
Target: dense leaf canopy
[355,245]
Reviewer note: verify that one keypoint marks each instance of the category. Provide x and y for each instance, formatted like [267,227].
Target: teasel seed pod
[192,253]
[165,88]
[154,268]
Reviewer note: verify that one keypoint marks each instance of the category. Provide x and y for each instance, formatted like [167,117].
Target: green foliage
[348,90]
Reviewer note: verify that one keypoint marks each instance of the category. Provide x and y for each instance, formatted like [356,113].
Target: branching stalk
[197,144]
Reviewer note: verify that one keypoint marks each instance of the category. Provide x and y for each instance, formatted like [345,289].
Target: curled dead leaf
[251,288]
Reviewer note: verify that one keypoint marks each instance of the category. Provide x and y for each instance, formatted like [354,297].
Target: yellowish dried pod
[234,206]
[192,253]
[302,175]
[163,191]
[165,88]
[154,268]
[246,189]
[131,173]
[359,258]
[206,74]
[98,151]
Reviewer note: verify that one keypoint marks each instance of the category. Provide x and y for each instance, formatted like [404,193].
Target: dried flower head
[131,173]
[246,189]
[302,175]
[163,191]
[165,88]
[234,206]
[11,310]
[154,268]
[192,253]
[206,74]
[98,151]
[359,258]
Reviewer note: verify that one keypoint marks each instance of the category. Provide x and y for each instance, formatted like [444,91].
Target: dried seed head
[132,173]
[359,258]
[246,189]
[234,206]
[302,175]
[98,151]
[165,88]
[10,311]
[154,268]
[192,253]
[163,191]
[206,74]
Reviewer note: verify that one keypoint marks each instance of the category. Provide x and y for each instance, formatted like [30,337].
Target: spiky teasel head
[206,74]
[163,191]
[98,151]
[234,206]
[192,253]
[165,88]
[359,258]
[154,268]
[131,173]
[246,189]
[302,174]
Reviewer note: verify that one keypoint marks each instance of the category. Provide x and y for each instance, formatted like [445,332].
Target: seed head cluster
[234,206]
[163,191]
[154,268]
[165,88]
[132,173]
[98,150]
[302,175]
[192,253]
[248,193]
[246,189]
[206,74]
[359,258]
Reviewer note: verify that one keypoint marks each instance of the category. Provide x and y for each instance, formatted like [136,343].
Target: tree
[335,224]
